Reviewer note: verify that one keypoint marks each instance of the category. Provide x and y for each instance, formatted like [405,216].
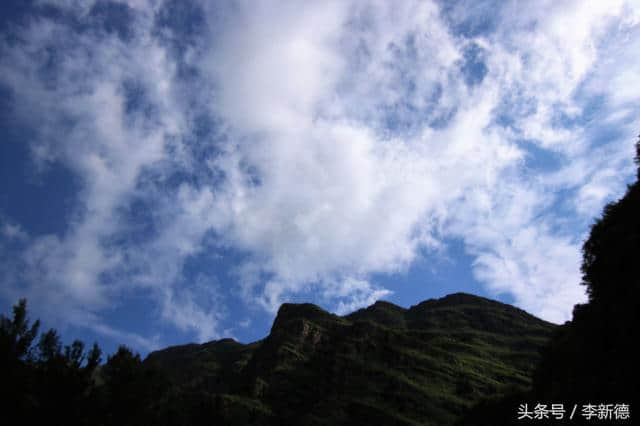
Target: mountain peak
[381,312]
[384,304]
[460,298]
[300,310]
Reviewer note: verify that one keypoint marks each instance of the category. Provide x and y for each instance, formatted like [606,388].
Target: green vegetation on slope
[424,365]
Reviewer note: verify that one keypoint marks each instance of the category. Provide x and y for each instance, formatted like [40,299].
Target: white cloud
[275,62]
[191,309]
[346,140]
[356,294]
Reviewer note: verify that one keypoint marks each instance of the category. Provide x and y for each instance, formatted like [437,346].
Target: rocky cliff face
[384,363]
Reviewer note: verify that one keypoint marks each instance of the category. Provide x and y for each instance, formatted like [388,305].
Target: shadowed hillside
[380,365]
[384,364]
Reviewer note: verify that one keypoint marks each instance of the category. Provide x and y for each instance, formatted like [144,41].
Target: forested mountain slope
[384,364]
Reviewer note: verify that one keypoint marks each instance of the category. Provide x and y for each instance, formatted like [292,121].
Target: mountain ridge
[416,365]
[287,307]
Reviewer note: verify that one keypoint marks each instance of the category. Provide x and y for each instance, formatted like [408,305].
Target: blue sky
[173,171]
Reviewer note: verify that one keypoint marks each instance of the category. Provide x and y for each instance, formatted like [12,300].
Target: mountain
[383,364]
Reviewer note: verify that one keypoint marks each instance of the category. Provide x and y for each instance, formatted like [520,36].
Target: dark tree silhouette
[49,346]
[16,350]
[93,358]
[45,383]
[48,383]
[16,336]
[74,354]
